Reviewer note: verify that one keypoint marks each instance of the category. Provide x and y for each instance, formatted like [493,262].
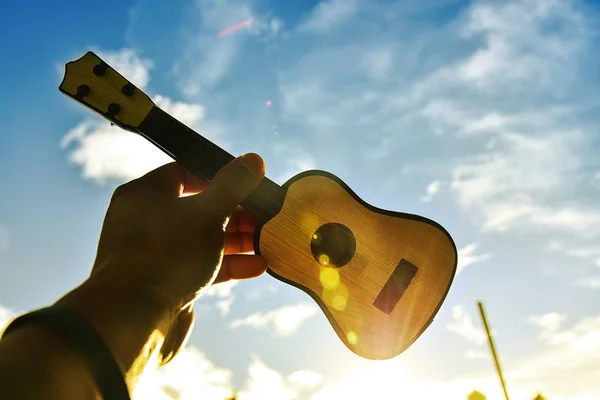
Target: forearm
[132,326]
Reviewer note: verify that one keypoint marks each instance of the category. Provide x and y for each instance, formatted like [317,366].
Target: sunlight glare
[324,259]
[330,278]
[336,298]
[352,338]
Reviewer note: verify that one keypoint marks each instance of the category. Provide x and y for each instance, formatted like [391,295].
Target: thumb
[233,183]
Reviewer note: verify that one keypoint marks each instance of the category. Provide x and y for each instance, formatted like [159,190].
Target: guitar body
[379,276]
[397,268]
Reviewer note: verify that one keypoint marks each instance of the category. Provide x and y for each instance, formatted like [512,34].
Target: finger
[178,334]
[241,267]
[232,184]
[242,220]
[172,179]
[192,184]
[238,242]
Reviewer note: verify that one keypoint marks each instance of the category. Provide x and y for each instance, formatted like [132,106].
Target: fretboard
[205,158]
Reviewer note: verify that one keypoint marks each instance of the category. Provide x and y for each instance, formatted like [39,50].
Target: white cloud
[463,325]
[328,15]
[6,316]
[265,383]
[378,63]
[508,186]
[532,154]
[549,325]
[565,370]
[206,60]
[129,64]
[268,290]
[190,375]
[431,190]
[223,292]
[568,367]
[592,282]
[294,165]
[284,320]
[305,378]
[517,47]
[4,239]
[275,25]
[467,256]
[225,305]
[506,98]
[477,355]
[382,380]
[590,253]
[107,152]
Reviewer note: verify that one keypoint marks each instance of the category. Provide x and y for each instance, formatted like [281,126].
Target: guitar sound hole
[333,245]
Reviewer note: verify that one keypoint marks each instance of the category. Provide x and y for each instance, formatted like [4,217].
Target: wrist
[133,323]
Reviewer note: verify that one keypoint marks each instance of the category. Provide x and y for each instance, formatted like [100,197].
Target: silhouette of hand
[170,234]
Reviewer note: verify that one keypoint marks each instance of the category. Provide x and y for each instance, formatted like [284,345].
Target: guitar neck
[205,158]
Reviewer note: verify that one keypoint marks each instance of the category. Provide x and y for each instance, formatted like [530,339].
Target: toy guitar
[379,276]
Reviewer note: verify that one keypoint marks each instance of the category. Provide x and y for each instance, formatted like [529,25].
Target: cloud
[592,282]
[206,61]
[284,320]
[532,153]
[328,14]
[467,256]
[129,64]
[564,370]
[4,239]
[262,291]
[567,367]
[295,161]
[108,152]
[6,316]
[590,253]
[549,325]
[105,152]
[265,383]
[463,325]
[499,109]
[223,292]
[477,355]
[307,379]
[190,375]
[430,191]
[380,380]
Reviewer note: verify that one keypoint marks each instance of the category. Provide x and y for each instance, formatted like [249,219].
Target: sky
[481,115]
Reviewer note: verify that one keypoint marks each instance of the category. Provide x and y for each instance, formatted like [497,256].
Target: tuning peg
[100,69]
[128,89]
[113,109]
[82,91]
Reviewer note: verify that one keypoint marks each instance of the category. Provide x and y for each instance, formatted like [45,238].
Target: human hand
[156,242]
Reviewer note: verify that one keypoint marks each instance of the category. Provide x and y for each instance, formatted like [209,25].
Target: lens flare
[324,259]
[336,298]
[352,338]
[330,278]
[233,28]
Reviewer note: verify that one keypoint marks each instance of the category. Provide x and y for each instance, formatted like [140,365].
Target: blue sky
[481,115]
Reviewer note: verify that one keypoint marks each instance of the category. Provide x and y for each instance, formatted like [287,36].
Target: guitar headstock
[95,84]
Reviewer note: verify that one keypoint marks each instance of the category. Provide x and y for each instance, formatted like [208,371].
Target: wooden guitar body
[379,276]
[397,268]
